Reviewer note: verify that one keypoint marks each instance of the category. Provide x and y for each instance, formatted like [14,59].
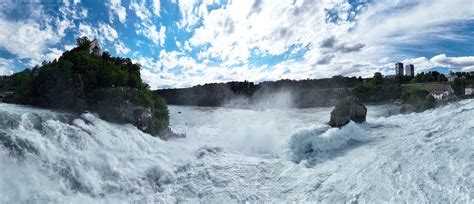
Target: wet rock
[347,110]
[167,134]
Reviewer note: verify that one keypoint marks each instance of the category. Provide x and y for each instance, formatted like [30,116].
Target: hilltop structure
[94,48]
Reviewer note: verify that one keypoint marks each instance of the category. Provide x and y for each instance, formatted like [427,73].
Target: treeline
[303,93]
[314,92]
[378,89]
[463,79]
[78,80]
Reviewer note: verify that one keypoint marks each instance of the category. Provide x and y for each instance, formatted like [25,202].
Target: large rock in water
[347,110]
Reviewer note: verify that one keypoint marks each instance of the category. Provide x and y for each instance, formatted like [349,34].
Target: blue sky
[185,43]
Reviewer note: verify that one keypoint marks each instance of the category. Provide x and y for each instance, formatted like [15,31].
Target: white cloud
[411,21]
[87,30]
[443,60]
[72,10]
[190,15]
[107,32]
[116,9]
[455,63]
[69,47]
[121,49]
[151,32]
[6,66]
[156,7]
[338,38]
[27,39]
[147,27]
[103,32]
[140,9]
[34,36]
[53,53]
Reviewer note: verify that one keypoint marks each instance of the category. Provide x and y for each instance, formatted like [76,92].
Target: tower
[399,68]
[410,70]
[95,48]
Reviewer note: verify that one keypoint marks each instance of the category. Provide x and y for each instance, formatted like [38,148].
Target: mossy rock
[347,110]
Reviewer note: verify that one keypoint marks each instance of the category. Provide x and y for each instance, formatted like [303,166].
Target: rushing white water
[234,155]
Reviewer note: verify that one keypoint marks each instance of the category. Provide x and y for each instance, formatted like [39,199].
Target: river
[239,155]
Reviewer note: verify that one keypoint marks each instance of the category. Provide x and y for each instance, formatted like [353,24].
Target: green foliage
[458,86]
[159,109]
[77,81]
[342,108]
[377,79]
[377,90]
[417,100]
[22,84]
[430,77]
[83,41]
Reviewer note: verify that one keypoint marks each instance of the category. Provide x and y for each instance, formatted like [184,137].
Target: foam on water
[322,142]
[52,157]
[233,155]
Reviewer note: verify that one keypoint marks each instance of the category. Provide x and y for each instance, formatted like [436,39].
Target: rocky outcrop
[5,94]
[347,110]
[115,104]
[167,134]
[127,105]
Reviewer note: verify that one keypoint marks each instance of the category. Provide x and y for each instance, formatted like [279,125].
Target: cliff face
[116,104]
[130,105]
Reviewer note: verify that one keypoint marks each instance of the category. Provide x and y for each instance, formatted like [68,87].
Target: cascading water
[239,156]
[48,156]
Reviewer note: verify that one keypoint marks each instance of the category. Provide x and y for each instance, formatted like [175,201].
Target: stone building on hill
[94,48]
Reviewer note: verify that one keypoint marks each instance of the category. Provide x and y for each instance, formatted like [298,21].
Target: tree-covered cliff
[79,81]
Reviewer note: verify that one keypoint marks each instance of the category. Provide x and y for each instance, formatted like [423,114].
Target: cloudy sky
[181,43]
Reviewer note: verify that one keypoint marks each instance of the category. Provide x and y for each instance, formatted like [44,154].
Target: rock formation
[347,110]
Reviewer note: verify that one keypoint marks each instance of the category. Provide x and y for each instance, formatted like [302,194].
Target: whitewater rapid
[234,155]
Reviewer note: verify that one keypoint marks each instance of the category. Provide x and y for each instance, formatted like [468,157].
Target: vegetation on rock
[347,110]
[79,81]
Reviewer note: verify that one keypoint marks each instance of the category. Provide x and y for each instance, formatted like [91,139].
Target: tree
[377,79]
[106,55]
[83,41]
[458,86]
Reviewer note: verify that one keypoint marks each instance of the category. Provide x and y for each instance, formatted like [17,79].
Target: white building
[469,90]
[94,48]
[442,93]
[451,77]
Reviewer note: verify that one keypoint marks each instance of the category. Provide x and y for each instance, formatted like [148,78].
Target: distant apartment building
[399,68]
[410,70]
